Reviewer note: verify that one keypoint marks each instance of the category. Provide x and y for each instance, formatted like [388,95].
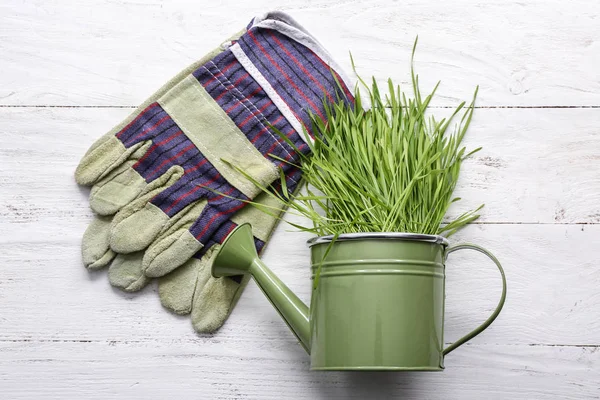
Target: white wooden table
[70,70]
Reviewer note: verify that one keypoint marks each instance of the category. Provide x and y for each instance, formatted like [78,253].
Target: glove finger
[117,146]
[200,224]
[125,272]
[137,224]
[176,244]
[106,154]
[118,188]
[214,299]
[176,289]
[95,247]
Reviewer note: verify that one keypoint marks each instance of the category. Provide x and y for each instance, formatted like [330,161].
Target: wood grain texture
[553,297]
[118,52]
[158,370]
[536,166]
[71,70]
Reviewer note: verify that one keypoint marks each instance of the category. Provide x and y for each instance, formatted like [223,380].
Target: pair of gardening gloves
[166,183]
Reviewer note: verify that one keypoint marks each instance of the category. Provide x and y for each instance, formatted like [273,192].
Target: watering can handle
[492,317]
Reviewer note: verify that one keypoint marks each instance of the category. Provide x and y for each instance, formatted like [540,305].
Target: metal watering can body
[378,303]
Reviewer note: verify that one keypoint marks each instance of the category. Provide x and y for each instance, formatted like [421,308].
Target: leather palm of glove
[165,184]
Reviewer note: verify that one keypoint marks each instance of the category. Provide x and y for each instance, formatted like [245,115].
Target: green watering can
[378,303]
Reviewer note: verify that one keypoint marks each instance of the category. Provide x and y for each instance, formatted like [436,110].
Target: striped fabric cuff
[283,63]
[288,26]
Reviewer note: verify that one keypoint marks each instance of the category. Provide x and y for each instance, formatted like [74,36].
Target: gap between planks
[587,346]
[432,107]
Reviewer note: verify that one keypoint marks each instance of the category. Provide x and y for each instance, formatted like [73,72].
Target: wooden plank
[536,166]
[108,370]
[118,52]
[46,294]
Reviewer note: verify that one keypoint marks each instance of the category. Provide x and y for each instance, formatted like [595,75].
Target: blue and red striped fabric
[296,73]
[249,106]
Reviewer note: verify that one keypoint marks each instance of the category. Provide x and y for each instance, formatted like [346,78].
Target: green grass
[391,168]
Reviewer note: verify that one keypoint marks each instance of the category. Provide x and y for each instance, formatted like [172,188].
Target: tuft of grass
[390,168]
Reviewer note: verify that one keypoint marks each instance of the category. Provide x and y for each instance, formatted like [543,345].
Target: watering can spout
[238,256]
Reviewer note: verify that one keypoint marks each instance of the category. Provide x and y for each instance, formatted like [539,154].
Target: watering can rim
[405,236]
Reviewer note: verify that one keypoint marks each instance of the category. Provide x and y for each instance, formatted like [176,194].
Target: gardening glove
[157,176]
